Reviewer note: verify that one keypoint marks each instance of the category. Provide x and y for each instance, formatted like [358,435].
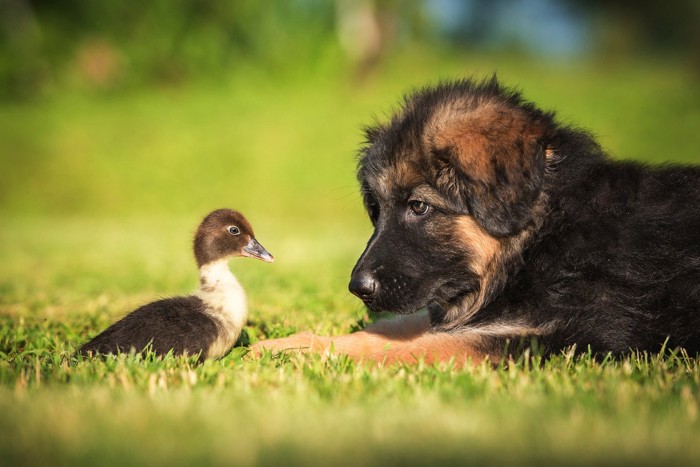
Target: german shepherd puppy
[506,226]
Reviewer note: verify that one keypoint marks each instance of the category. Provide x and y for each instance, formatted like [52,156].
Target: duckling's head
[225,233]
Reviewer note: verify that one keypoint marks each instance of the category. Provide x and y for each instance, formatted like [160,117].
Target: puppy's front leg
[405,339]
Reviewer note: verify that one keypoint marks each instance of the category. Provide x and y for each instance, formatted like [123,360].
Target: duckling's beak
[256,250]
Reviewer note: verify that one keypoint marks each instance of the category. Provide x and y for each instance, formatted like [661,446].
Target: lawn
[100,195]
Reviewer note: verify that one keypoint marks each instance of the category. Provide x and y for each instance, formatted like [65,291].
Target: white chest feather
[225,301]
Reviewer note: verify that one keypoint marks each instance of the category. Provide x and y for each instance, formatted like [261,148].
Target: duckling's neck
[224,300]
[216,275]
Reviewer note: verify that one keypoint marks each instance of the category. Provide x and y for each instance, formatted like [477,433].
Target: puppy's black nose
[363,285]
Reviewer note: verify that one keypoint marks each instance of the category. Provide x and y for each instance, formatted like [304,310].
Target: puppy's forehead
[473,122]
[396,178]
[392,159]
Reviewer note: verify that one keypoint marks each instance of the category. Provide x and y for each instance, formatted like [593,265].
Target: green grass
[99,196]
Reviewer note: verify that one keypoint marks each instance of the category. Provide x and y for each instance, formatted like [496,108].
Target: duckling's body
[208,322]
[180,324]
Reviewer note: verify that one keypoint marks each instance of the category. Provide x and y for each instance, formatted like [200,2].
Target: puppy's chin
[378,305]
[444,295]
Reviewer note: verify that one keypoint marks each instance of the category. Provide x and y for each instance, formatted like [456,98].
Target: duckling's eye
[418,207]
[233,230]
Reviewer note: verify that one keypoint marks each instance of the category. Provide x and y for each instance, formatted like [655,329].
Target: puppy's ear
[497,166]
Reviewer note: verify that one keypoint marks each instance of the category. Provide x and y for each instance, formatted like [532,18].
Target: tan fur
[473,131]
[405,175]
[404,340]
[490,256]
[509,329]
[402,175]
[398,340]
[483,246]
[454,127]
[485,250]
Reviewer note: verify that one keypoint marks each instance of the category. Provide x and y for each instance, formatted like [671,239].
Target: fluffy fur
[179,324]
[530,231]
[226,304]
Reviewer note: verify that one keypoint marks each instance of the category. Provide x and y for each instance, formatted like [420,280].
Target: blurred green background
[173,107]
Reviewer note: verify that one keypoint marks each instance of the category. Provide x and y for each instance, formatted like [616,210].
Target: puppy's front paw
[302,342]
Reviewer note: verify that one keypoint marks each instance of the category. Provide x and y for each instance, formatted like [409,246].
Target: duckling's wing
[178,324]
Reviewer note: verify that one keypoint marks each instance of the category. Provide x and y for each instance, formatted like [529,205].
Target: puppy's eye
[418,207]
[233,230]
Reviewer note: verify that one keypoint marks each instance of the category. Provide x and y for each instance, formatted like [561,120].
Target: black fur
[617,263]
[590,251]
[179,324]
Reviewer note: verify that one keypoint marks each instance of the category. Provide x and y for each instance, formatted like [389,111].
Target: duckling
[208,322]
